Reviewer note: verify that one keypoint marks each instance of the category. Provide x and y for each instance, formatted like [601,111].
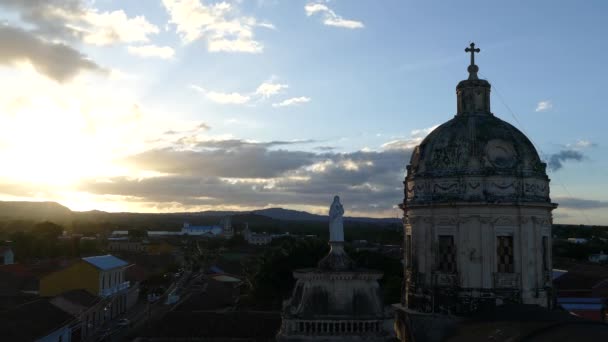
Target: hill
[275,219]
[35,211]
[294,215]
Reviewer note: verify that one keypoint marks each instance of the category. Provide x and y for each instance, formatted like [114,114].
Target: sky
[189,105]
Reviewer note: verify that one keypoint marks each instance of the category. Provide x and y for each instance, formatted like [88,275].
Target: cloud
[201,127]
[263,91]
[292,101]
[219,24]
[581,144]
[330,18]
[556,160]
[268,89]
[416,137]
[163,52]
[68,20]
[227,98]
[248,174]
[104,28]
[55,60]
[544,106]
[580,203]
[222,98]
[236,161]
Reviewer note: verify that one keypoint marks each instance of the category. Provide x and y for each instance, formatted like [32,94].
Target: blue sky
[309,96]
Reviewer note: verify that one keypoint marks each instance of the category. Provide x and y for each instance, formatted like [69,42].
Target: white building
[187,229]
[258,239]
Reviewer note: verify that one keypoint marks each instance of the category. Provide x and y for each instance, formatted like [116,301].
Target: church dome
[475,156]
[476,145]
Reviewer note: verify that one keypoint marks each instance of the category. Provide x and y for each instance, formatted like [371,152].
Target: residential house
[7,256]
[89,311]
[583,291]
[598,258]
[102,276]
[38,320]
[123,244]
[577,241]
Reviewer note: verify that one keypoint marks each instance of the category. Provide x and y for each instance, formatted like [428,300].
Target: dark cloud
[200,127]
[55,60]
[325,148]
[253,175]
[555,161]
[240,144]
[580,203]
[203,127]
[241,162]
[48,17]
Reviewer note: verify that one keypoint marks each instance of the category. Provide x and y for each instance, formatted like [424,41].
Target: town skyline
[240,105]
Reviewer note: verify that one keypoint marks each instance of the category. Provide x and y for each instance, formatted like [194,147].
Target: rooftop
[80,297]
[32,320]
[105,262]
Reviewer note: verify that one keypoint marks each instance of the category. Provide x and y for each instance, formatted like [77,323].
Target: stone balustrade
[332,327]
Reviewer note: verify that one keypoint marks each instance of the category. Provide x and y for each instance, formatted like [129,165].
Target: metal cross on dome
[472,50]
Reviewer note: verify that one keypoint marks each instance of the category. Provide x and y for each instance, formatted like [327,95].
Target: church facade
[477,214]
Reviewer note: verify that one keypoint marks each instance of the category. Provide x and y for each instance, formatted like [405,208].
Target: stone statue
[336,259]
[336,226]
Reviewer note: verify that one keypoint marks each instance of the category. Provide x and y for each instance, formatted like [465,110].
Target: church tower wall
[477,213]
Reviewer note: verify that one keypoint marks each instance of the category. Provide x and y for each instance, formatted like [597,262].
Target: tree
[270,276]
[137,234]
[48,230]
[391,268]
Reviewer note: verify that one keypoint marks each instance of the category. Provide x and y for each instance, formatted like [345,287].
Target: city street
[144,313]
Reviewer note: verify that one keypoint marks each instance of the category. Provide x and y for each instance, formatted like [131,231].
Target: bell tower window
[504,254]
[447,254]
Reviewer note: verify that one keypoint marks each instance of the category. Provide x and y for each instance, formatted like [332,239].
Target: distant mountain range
[295,215]
[35,211]
[52,211]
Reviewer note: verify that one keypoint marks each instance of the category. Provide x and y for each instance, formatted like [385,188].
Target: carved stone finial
[473,94]
[473,69]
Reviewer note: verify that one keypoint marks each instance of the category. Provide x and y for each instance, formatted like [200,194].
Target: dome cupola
[475,156]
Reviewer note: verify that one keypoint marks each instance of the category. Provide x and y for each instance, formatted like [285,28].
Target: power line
[537,146]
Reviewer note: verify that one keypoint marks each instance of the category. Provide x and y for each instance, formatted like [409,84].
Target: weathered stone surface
[336,301]
[478,183]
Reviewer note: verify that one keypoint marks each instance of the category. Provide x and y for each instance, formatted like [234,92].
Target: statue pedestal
[336,306]
[336,259]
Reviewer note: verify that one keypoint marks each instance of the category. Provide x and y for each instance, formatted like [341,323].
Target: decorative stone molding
[448,220]
[541,221]
[314,274]
[485,219]
[506,280]
[467,219]
[328,327]
[441,279]
[477,186]
[504,221]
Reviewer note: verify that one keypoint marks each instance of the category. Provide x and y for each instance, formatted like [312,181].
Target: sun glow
[54,135]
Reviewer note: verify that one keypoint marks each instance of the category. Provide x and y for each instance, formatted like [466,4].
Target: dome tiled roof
[476,145]
[475,157]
